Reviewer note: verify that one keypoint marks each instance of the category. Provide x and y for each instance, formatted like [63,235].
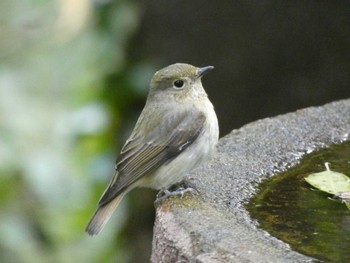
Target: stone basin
[214,225]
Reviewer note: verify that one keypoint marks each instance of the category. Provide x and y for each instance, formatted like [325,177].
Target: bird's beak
[202,71]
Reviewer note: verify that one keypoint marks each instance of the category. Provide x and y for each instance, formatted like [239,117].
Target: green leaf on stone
[329,181]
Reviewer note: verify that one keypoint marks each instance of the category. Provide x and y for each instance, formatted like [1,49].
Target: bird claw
[175,190]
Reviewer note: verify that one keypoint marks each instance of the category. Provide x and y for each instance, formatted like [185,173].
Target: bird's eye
[178,84]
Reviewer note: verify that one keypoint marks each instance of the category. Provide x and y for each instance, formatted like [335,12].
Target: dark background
[270,57]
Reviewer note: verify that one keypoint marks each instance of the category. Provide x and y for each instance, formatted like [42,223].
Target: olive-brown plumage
[176,131]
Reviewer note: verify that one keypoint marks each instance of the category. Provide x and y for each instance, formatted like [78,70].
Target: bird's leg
[175,189]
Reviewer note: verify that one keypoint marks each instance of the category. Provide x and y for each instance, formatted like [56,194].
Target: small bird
[176,131]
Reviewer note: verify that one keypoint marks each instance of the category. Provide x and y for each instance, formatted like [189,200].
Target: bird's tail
[102,215]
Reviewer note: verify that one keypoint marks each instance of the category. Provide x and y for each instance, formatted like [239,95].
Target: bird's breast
[194,155]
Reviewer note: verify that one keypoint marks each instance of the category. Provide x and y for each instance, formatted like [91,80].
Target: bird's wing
[142,155]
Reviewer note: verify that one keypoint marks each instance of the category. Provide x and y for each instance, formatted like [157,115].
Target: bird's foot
[179,189]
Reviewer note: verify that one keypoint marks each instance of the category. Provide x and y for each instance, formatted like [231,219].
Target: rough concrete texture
[214,226]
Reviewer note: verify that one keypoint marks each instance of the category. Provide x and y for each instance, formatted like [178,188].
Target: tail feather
[102,215]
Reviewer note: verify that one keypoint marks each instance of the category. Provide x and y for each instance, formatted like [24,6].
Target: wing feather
[143,154]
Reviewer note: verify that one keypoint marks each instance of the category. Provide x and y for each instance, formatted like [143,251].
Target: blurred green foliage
[66,87]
